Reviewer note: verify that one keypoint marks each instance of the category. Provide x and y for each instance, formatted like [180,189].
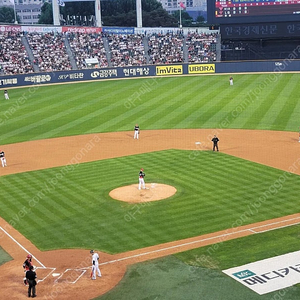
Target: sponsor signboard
[9,28]
[77,29]
[118,30]
[202,68]
[270,274]
[169,70]
[41,29]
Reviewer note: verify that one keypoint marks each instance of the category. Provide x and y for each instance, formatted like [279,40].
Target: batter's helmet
[29,256]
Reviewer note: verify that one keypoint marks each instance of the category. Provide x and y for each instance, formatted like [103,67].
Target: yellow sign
[203,68]
[169,70]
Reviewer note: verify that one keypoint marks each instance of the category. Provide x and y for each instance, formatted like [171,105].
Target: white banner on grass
[270,274]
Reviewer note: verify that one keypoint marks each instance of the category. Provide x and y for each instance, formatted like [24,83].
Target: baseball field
[68,146]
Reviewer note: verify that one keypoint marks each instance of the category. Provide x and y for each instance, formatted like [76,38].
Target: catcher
[26,266]
[136,131]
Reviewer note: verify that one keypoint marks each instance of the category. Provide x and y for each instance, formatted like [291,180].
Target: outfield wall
[287,65]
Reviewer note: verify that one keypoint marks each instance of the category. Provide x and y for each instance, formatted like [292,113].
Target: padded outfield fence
[290,64]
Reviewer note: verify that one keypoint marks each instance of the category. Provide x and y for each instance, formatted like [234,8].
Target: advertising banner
[79,29]
[169,70]
[118,30]
[270,274]
[10,28]
[202,68]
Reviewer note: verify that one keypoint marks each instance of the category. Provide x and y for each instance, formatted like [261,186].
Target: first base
[197,143]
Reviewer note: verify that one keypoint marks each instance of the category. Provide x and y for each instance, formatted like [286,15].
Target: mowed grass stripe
[101,106]
[223,112]
[262,105]
[163,221]
[285,116]
[156,106]
[202,101]
[281,100]
[91,112]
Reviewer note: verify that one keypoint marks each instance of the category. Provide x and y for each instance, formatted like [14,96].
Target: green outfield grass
[254,102]
[215,191]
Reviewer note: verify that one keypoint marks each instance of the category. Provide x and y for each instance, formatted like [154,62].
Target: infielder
[3,159]
[136,131]
[141,179]
[95,265]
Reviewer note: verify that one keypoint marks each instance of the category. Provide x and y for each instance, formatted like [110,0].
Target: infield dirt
[72,267]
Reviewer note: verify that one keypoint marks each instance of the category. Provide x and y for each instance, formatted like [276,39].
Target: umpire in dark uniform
[31,276]
[215,141]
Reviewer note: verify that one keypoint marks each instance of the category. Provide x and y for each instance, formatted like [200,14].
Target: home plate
[55,274]
[197,143]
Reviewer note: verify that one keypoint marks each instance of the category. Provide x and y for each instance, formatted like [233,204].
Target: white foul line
[207,239]
[21,246]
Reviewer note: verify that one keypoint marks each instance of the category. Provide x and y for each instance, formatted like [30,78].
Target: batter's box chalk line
[49,273]
[82,272]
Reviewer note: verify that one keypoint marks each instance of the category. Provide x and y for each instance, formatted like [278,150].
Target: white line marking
[21,246]
[207,239]
[52,270]
[72,282]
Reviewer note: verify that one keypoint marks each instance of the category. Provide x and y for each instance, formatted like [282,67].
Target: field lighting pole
[98,13]
[55,11]
[15,13]
[139,21]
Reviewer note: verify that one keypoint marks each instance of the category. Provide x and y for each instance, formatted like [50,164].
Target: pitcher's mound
[153,192]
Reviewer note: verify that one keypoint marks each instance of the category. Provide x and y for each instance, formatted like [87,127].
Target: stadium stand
[13,55]
[201,47]
[44,52]
[126,50]
[86,46]
[49,51]
[165,48]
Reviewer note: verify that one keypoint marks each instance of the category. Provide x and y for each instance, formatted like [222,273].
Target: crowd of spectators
[165,48]
[201,47]
[49,51]
[13,56]
[86,46]
[126,50]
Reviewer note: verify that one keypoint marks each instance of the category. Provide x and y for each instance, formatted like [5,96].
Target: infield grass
[213,193]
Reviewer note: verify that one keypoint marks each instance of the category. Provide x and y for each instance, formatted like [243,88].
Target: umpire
[215,141]
[31,276]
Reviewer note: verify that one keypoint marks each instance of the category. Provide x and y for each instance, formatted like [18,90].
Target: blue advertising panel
[290,64]
[118,30]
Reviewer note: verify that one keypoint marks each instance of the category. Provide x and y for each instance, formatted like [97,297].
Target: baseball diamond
[56,201]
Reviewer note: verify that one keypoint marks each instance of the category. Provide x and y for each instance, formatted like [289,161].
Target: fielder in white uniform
[141,179]
[136,131]
[6,95]
[95,265]
[3,159]
[231,80]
